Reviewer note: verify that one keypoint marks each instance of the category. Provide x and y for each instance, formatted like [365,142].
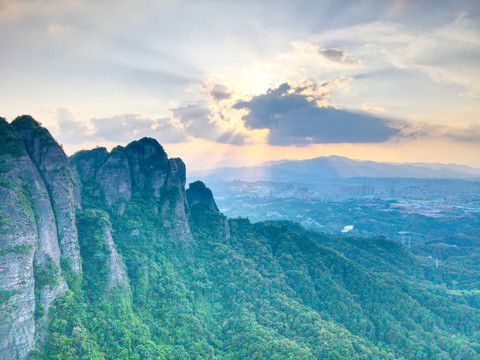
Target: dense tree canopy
[255,291]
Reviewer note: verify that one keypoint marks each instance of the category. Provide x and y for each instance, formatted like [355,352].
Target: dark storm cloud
[128,127]
[293,119]
[197,123]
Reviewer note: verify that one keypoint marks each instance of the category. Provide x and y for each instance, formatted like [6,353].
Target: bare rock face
[86,163]
[110,171]
[30,271]
[141,169]
[117,276]
[149,165]
[17,247]
[226,229]
[115,180]
[178,220]
[54,168]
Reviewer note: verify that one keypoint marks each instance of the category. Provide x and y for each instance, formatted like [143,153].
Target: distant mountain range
[337,167]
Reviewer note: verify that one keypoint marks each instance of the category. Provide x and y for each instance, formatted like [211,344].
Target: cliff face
[30,268]
[54,168]
[149,166]
[115,180]
[141,170]
[39,243]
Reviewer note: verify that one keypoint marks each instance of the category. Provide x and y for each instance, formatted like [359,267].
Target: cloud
[446,52]
[74,128]
[470,133]
[217,92]
[186,122]
[290,116]
[71,128]
[422,130]
[372,108]
[338,56]
[55,29]
[143,77]
[10,10]
[197,121]
[294,118]
[128,127]
[447,55]
[314,57]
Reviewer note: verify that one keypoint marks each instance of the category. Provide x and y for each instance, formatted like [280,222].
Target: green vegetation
[36,130]
[269,291]
[94,249]
[370,217]
[46,274]
[241,290]
[11,143]
[18,249]
[5,295]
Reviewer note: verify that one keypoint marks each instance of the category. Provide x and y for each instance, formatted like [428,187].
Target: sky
[232,83]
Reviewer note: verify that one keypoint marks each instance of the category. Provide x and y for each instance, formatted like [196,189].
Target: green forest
[243,290]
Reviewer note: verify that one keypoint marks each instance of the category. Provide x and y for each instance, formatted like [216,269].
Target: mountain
[106,255]
[335,168]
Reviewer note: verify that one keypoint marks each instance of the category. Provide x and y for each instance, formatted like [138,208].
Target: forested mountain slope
[106,256]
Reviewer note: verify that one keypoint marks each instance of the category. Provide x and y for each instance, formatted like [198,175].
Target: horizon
[270,162]
[262,163]
[240,84]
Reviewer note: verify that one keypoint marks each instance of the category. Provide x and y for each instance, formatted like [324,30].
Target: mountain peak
[147,147]
[199,193]
[26,121]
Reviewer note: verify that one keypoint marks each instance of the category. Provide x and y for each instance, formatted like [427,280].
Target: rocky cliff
[53,166]
[31,275]
[40,192]
[140,171]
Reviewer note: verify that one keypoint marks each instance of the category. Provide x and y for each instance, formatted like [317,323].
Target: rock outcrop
[54,168]
[117,276]
[142,169]
[199,194]
[30,268]
[175,206]
[115,180]
[149,166]
[86,163]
